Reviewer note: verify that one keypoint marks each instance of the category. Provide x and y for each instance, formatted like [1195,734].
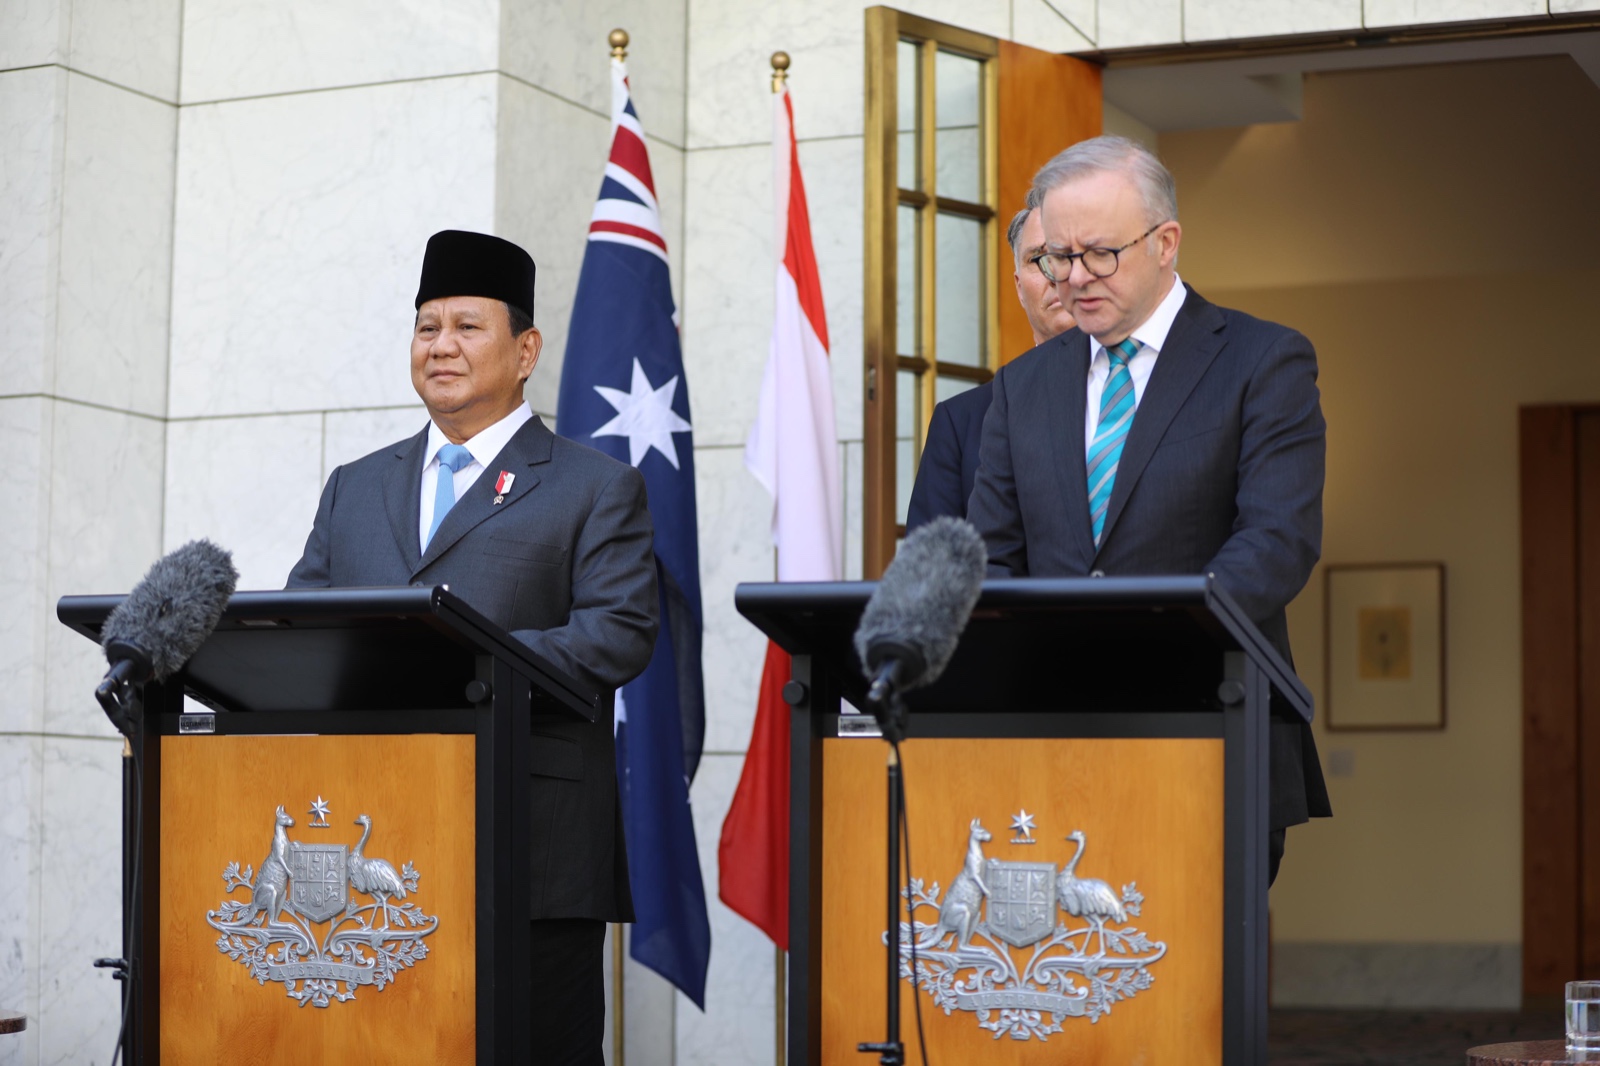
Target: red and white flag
[794,450]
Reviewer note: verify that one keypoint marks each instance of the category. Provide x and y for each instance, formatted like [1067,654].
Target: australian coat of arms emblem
[1082,954]
[304,923]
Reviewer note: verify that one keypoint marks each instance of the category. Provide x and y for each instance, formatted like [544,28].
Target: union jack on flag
[623,392]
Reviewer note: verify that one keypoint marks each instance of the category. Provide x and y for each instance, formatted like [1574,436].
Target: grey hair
[1014,234]
[1116,155]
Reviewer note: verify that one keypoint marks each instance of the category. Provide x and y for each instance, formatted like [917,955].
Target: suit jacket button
[1097,573]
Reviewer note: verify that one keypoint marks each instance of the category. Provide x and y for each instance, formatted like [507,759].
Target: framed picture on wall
[1383,628]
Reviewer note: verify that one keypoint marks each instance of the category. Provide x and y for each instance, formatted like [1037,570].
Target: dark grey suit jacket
[1221,474]
[949,461]
[567,564]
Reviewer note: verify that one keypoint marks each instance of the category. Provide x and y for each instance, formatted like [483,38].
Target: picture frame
[1384,647]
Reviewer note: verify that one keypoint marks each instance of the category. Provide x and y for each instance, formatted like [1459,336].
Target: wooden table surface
[1529,1053]
[12,1022]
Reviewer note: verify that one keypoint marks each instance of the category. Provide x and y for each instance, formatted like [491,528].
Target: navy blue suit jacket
[566,563]
[949,457]
[1221,474]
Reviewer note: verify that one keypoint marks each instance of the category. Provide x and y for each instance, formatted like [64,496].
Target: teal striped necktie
[1117,402]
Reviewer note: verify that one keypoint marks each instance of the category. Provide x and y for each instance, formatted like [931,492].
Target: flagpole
[618,40]
[780,958]
[619,959]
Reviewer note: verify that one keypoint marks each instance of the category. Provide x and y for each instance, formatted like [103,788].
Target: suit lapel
[1192,345]
[527,448]
[402,496]
[1067,376]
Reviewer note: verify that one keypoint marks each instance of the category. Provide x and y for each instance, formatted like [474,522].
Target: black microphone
[915,617]
[164,620]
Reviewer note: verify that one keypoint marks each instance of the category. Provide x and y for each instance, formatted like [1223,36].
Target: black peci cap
[459,263]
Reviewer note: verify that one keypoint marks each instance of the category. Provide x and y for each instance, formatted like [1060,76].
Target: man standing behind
[950,454]
[546,538]
[1165,436]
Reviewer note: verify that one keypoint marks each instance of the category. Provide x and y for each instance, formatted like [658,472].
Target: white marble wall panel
[562,49]
[832,170]
[32,105]
[300,226]
[20,761]
[730,47]
[728,283]
[1129,23]
[25,441]
[133,45]
[1568,7]
[649,1009]
[1414,12]
[544,200]
[852,460]
[1209,20]
[349,435]
[34,33]
[735,546]
[236,48]
[79,920]
[737,1028]
[249,484]
[1054,27]
[105,530]
[116,248]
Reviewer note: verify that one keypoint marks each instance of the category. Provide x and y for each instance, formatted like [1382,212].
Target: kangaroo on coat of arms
[276,934]
[1075,968]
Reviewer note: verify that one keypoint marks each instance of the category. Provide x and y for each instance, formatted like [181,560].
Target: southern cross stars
[645,416]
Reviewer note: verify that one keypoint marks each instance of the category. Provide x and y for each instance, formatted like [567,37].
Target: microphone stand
[890,713]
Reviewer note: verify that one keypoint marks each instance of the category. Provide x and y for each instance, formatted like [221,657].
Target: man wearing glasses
[950,455]
[1165,435]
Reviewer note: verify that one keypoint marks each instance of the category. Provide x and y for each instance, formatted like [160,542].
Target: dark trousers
[568,1012]
[1274,853]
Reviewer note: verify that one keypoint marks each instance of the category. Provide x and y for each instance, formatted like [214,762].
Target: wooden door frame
[1034,104]
[1553,830]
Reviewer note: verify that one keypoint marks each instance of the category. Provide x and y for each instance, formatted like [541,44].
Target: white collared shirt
[1151,335]
[484,447]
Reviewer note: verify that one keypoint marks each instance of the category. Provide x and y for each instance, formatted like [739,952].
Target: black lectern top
[348,649]
[1115,643]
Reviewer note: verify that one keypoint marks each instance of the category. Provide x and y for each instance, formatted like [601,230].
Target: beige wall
[1430,230]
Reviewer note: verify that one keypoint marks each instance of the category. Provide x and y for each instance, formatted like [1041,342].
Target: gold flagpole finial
[619,44]
[780,70]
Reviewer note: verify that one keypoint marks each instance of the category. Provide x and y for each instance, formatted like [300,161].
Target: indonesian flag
[794,451]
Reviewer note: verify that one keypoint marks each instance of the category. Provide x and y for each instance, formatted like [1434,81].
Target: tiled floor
[1397,1037]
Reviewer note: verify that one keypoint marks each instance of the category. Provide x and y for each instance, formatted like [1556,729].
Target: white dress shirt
[484,447]
[1152,334]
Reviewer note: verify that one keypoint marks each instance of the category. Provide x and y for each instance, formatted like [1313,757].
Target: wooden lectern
[261,929]
[1087,797]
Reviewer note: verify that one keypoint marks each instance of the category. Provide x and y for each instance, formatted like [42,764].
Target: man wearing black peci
[543,536]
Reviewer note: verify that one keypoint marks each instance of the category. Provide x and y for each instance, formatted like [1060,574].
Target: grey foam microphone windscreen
[925,598]
[169,614]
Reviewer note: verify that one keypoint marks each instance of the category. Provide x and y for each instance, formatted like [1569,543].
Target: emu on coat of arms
[1080,963]
[277,932]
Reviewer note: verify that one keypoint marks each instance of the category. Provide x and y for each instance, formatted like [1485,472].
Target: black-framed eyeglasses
[1101,262]
[1033,261]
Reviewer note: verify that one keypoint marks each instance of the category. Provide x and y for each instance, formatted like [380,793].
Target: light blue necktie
[1116,416]
[452,457]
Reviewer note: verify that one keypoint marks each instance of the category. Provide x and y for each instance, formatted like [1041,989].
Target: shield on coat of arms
[319,879]
[1022,900]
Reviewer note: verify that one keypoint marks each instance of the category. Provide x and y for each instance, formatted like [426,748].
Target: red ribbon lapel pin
[502,486]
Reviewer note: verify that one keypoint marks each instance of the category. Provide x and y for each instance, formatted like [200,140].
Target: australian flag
[623,391]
